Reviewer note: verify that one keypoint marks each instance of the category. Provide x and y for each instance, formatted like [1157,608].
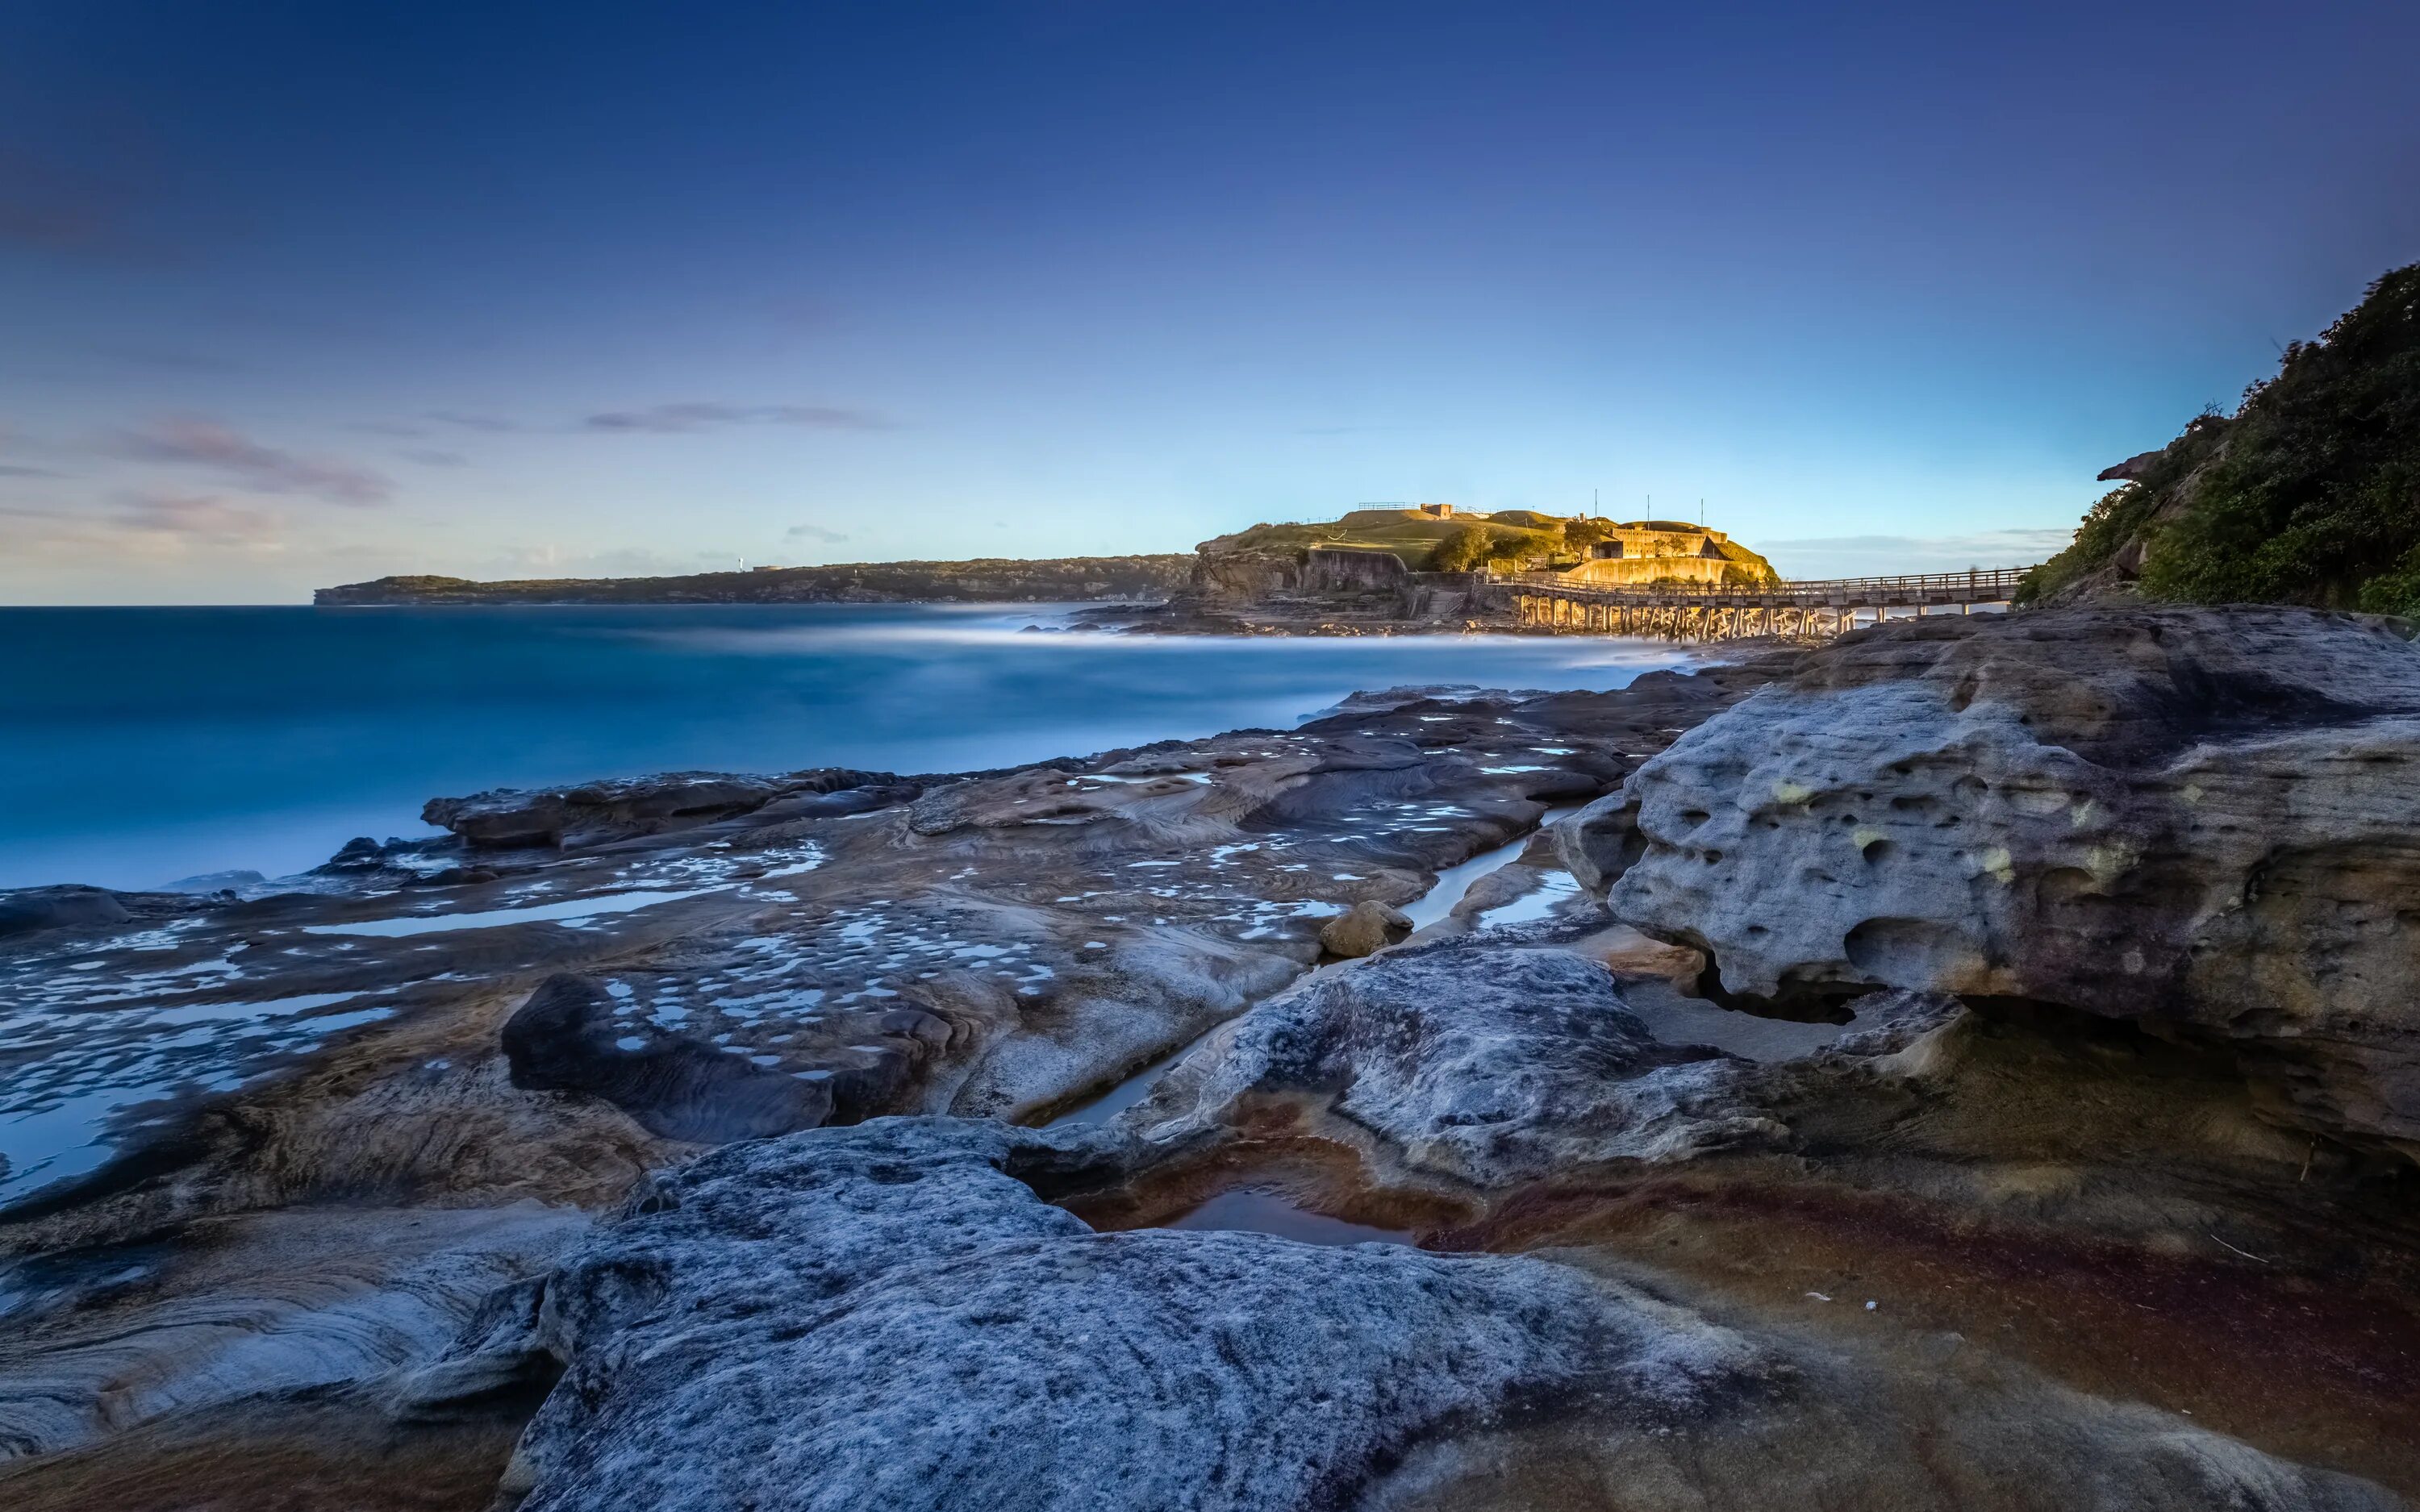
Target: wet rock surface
[667,1142]
[887,1316]
[921,1299]
[991,945]
[596,811]
[1487,1063]
[270,1306]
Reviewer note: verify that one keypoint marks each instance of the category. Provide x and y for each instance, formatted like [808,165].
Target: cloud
[187,441]
[9,441]
[681,419]
[142,524]
[653,420]
[201,518]
[814,532]
[471,420]
[167,359]
[429,457]
[53,208]
[641,562]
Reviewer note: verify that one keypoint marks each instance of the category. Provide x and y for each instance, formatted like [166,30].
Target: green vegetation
[1507,538]
[1473,546]
[1413,537]
[2308,494]
[978,581]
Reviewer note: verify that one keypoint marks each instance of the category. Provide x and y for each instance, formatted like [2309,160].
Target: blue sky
[293,294]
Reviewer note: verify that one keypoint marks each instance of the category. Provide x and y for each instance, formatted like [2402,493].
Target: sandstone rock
[2201,819]
[853,1319]
[1243,577]
[887,1315]
[1489,1065]
[566,1039]
[266,1304]
[609,809]
[29,910]
[1628,953]
[1364,929]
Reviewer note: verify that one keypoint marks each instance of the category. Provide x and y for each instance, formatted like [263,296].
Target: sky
[294,295]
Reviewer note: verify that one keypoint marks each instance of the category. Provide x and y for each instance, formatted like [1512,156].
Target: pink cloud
[189,440]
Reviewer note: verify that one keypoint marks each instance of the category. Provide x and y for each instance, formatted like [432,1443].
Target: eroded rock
[267,1305]
[29,910]
[609,809]
[566,1039]
[1489,1065]
[2204,819]
[887,1316]
[1365,929]
[855,1317]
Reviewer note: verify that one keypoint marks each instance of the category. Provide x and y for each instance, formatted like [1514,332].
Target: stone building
[1656,550]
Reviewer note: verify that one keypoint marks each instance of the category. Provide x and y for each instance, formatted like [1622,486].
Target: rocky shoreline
[1972,1063]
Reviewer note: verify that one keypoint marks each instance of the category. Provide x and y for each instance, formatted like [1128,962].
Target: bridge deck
[1980,586]
[1719,612]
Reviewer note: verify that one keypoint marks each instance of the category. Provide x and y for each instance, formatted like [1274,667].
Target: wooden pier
[1807,609]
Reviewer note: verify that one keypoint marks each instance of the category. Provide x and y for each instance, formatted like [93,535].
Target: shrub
[1464,550]
[2309,494]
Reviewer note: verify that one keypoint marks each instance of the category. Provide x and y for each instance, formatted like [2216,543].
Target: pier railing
[1806,609]
[1979,585]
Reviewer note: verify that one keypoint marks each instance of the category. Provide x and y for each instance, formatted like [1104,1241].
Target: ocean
[143,746]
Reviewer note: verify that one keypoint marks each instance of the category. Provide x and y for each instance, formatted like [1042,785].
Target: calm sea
[139,747]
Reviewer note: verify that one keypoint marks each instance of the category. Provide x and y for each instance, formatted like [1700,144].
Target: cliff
[1251,563]
[2308,494]
[986,579]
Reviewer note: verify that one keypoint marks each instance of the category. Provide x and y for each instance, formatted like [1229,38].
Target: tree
[1462,550]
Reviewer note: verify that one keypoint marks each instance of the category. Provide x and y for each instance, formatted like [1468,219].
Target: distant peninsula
[1413,564]
[983,581]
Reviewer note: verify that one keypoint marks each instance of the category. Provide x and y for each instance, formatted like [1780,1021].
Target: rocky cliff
[1058,580]
[2308,494]
[2201,822]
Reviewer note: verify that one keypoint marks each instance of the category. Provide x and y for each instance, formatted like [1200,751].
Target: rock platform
[1967,1064]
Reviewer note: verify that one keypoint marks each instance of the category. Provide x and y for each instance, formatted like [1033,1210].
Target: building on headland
[1438,559]
[1654,550]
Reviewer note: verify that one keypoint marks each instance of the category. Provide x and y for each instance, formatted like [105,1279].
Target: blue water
[142,745]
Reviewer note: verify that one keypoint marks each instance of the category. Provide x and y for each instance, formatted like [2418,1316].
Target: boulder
[565,1038]
[592,811]
[890,1316]
[1485,1064]
[883,1316]
[29,910]
[1364,929]
[2204,820]
[263,1305]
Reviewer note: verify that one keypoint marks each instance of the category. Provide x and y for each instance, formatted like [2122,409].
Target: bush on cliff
[2308,494]
[1469,548]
